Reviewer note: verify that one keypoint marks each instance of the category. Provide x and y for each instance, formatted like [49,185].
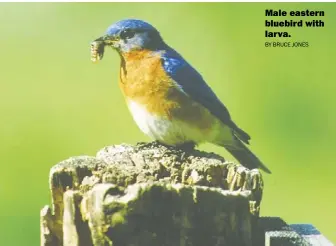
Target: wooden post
[150,194]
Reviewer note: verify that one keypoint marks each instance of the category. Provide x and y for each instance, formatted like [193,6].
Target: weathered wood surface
[151,194]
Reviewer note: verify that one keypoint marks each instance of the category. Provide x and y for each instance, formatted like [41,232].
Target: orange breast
[144,81]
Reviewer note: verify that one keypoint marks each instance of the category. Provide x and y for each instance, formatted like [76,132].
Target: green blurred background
[55,103]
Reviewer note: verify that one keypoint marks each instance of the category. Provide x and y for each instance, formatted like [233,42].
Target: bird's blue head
[132,34]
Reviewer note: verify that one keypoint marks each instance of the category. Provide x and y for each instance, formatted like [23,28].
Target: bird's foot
[187,146]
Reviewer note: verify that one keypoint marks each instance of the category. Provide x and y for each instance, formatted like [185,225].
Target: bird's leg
[187,146]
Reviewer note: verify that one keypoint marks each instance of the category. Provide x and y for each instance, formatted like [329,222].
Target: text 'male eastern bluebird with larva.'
[169,100]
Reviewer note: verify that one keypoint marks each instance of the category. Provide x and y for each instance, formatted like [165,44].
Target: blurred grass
[55,103]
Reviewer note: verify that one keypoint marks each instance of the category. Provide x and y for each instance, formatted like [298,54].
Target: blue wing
[192,83]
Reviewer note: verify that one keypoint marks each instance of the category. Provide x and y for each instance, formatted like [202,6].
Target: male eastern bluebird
[168,98]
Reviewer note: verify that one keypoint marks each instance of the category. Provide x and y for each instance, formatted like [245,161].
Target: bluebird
[168,99]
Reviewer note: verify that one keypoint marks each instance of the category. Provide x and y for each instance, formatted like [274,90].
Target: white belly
[170,132]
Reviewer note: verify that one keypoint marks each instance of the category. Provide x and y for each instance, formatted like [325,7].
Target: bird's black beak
[107,40]
[101,39]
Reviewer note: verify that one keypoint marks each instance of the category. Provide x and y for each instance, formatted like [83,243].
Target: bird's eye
[127,33]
